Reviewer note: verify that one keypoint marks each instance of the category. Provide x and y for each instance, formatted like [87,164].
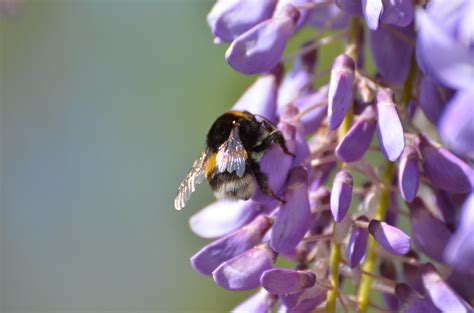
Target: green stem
[334,260]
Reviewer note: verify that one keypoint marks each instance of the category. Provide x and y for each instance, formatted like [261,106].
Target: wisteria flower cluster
[378,198]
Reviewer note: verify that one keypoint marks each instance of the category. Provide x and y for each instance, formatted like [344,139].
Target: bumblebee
[230,163]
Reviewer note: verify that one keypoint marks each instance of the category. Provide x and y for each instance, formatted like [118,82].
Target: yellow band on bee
[211,164]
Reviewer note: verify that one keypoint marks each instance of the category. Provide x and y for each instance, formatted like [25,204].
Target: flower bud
[340,90]
[294,216]
[445,170]
[341,194]
[389,237]
[399,13]
[281,281]
[389,126]
[259,49]
[261,302]
[229,19]
[356,141]
[216,253]
[408,175]
[243,271]
[357,246]
[304,301]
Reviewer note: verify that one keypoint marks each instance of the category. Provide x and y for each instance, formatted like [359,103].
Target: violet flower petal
[261,302]
[389,237]
[341,195]
[388,270]
[301,5]
[413,302]
[412,273]
[211,256]
[398,12]
[340,89]
[408,174]
[432,99]
[392,55]
[357,246]
[294,217]
[356,141]
[281,281]
[259,49]
[312,120]
[389,126]
[328,16]
[442,295]
[461,282]
[223,217]
[243,272]
[372,10]
[229,19]
[429,234]
[456,126]
[351,7]
[304,301]
[445,170]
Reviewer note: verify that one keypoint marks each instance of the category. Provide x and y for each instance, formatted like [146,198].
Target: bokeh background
[104,107]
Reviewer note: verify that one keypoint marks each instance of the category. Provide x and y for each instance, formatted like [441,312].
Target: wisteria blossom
[377,194]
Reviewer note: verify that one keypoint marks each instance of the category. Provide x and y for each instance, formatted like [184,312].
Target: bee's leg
[274,137]
[262,181]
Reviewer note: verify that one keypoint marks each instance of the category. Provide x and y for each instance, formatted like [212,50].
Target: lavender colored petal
[389,126]
[294,216]
[261,97]
[442,295]
[398,12]
[432,99]
[461,282]
[392,55]
[429,234]
[412,273]
[303,8]
[223,217]
[357,246]
[388,270]
[261,302]
[259,49]
[341,195]
[211,256]
[243,272]
[389,237]
[340,89]
[281,281]
[356,142]
[412,302]
[229,19]
[328,16]
[304,301]
[408,174]
[312,120]
[444,57]
[372,10]
[456,126]
[351,7]
[445,170]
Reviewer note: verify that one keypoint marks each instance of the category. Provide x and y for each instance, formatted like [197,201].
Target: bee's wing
[232,155]
[188,185]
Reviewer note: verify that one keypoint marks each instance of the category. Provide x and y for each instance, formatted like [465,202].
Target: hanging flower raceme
[340,197]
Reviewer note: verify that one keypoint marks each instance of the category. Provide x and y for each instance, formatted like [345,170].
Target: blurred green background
[104,107]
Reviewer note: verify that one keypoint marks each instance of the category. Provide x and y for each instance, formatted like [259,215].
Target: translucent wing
[232,155]
[188,185]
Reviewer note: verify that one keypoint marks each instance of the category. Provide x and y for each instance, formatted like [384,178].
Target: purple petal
[260,98]
[312,120]
[216,253]
[229,19]
[388,270]
[446,59]
[328,16]
[372,10]
[389,126]
[389,237]
[351,7]
[357,140]
[288,120]
[442,295]
[304,301]
[243,272]
[432,99]
[341,194]
[340,89]
[392,54]
[294,216]
[398,12]
[412,302]
[223,217]
[281,281]
[456,126]
[408,175]
[298,80]
[259,49]
[429,234]
[261,302]
[301,5]
[461,282]
[445,170]
[357,246]
[412,274]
